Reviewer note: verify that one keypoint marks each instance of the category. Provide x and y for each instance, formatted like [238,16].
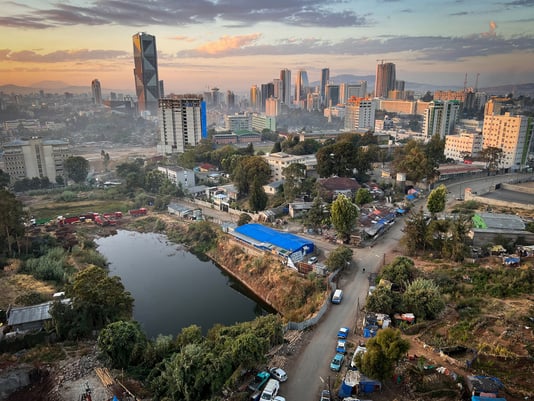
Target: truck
[101,221]
[138,212]
[259,380]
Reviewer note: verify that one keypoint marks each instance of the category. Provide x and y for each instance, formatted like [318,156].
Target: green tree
[437,200]
[76,168]
[122,343]
[401,271]
[248,169]
[423,298]
[343,216]
[383,300]
[276,147]
[339,258]
[99,299]
[415,232]
[11,221]
[413,161]
[492,156]
[244,218]
[4,179]
[316,214]
[294,174]
[363,196]
[154,181]
[258,197]
[383,352]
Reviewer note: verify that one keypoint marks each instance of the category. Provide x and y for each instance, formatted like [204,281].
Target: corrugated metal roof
[28,314]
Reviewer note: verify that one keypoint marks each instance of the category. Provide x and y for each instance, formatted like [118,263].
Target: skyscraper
[267,91]
[359,114]
[440,118]
[325,76]
[285,77]
[255,98]
[385,79]
[301,88]
[182,123]
[147,83]
[96,91]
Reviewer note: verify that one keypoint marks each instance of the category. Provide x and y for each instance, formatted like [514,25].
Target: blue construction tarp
[480,398]
[287,241]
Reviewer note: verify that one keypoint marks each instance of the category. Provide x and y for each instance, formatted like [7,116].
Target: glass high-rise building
[325,77]
[147,83]
[285,77]
[385,79]
[302,87]
[96,91]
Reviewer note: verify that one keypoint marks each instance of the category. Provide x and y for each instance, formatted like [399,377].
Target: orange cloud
[182,38]
[226,43]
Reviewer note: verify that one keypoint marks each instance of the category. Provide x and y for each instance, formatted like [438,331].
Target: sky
[235,44]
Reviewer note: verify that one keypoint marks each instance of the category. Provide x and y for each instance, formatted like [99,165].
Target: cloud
[491,32]
[182,38]
[135,13]
[228,43]
[30,56]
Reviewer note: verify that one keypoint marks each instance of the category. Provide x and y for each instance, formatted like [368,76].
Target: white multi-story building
[279,161]
[179,175]
[512,134]
[35,158]
[182,123]
[440,118]
[464,144]
[272,107]
[261,122]
[359,114]
[238,122]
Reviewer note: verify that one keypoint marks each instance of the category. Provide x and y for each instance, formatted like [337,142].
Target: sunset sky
[234,44]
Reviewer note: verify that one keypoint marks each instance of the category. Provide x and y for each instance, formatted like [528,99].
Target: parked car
[279,374]
[271,390]
[337,297]
[325,395]
[259,380]
[279,398]
[360,349]
[343,332]
[341,346]
[337,362]
[312,260]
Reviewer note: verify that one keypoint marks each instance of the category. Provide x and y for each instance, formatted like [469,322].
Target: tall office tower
[331,95]
[182,123]
[272,107]
[301,88]
[267,91]
[313,101]
[161,88]
[512,134]
[385,79]
[278,88]
[359,114]
[146,72]
[215,97]
[96,91]
[285,77]
[346,91]
[325,77]
[255,98]
[230,99]
[440,118]
[400,85]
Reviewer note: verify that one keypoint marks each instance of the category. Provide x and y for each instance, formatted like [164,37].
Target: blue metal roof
[287,241]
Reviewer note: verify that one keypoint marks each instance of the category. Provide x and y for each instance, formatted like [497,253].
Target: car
[279,374]
[337,362]
[279,398]
[312,260]
[325,395]
[259,380]
[343,332]
[341,346]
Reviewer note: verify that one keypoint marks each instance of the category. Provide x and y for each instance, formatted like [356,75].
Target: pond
[173,288]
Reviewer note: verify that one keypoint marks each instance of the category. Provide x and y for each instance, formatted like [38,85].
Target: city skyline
[233,45]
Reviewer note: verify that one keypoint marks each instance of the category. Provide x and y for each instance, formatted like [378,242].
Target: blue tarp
[410,197]
[287,241]
[479,398]
[345,390]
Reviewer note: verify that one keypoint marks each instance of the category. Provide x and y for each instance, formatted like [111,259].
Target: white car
[279,374]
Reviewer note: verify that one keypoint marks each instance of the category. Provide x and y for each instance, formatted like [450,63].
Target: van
[270,390]
[337,297]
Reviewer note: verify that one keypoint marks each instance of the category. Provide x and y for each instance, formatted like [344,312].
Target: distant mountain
[516,90]
[51,87]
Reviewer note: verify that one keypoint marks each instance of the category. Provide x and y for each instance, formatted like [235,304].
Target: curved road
[310,372]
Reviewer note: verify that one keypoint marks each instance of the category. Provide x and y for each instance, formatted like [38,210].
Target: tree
[400,271]
[4,179]
[276,147]
[294,174]
[339,258]
[423,298]
[383,352]
[363,196]
[437,200]
[343,215]
[248,169]
[492,156]
[244,218]
[258,197]
[122,343]
[413,161]
[383,300]
[415,232]
[98,298]
[11,221]
[76,168]
[315,216]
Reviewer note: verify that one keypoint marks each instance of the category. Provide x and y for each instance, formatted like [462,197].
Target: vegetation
[343,216]
[363,196]
[419,161]
[76,168]
[11,223]
[437,199]
[122,343]
[339,258]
